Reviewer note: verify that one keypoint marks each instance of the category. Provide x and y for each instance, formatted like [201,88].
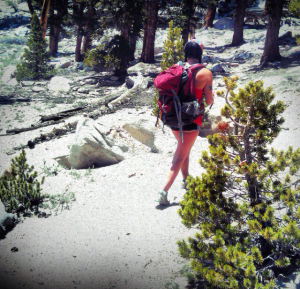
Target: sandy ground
[114,235]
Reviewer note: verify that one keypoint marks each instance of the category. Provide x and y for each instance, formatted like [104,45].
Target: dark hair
[193,49]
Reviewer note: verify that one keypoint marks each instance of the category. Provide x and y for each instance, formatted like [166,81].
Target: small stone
[114,78]
[83,90]
[14,249]
[66,64]
[38,89]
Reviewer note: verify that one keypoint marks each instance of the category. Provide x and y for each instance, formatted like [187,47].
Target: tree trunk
[52,33]
[89,27]
[55,23]
[125,34]
[149,31]
[271,49]
[238,37]
[210,16]
[54,38]
[30,7]
[188,11]
[132,44]
[78,15]
[44,16]
[253,189]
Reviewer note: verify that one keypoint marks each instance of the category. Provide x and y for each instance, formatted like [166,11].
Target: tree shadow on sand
[163,207]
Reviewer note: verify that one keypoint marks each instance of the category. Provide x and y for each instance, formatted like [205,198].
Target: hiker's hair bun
[193,49]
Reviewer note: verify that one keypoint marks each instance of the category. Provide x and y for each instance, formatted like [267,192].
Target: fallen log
[32,127]
[55,133]
[58,117]
[13,100]
[62,114]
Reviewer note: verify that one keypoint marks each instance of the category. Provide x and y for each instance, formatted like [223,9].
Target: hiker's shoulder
[204,72]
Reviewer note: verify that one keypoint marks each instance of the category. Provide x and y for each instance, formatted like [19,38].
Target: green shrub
[35,59]
[172,46]
[294,7]
[20,187]
[94,58]
[246,204]
[297,37]
[113,56]
[173,52]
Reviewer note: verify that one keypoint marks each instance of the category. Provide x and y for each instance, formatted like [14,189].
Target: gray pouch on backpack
[192,108]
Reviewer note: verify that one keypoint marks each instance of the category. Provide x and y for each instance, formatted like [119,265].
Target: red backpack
[177,102]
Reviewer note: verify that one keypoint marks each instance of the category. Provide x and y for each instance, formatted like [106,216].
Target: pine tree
[20,187]
[246,204]
[172,46]
[173,52]
[35,59]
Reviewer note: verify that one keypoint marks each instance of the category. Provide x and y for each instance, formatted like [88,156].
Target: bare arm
[204,81]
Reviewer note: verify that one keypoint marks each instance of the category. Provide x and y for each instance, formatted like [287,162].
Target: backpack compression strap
[177,105]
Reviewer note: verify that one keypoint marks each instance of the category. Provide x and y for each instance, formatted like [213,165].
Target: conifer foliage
[172,46]
[35,59]
[173,53]
[20,189]
[246,204]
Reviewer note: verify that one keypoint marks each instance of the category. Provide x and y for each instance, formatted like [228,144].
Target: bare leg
[185,167]
[181,156]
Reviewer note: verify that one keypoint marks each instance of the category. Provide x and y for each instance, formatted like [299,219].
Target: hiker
[202,86]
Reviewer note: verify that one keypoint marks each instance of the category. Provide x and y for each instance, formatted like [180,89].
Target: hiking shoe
[162,200]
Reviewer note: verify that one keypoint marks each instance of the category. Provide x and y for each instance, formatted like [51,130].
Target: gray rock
[27,83]
[12,82]
[141,134]
[87,69]
[22,31]
[38,89]
[224,23]
[129,82]
[59,84]
[7,220]
[114,78]
[83,90]
[79,66]
[285,36]
[219,68]
[66,64]
[143,68]
[41,83]
[91,81]
[8,73]
[242,56]
[91,147]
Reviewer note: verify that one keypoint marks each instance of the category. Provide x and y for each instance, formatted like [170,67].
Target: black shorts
[187,127]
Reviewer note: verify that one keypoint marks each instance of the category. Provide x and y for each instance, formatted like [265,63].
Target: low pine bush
[246,204]
[19,188]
